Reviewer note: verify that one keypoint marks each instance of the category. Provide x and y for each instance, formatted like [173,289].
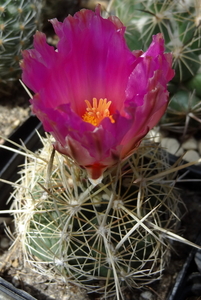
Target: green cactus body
[195,84]
[182,104]
[106,237]
[18,22]
[180,23]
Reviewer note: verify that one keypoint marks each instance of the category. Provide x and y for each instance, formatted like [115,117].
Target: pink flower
[96,97]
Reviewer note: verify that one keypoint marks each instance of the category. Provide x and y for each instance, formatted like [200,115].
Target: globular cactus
[180,23]
[103,238]
[19,20]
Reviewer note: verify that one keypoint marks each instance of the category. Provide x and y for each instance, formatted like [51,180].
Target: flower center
[96,113]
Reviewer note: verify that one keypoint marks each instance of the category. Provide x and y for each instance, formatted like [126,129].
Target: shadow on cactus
[103,238]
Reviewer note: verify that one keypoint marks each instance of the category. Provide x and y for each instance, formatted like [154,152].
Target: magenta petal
[37,63]
[101,74]
[157,46]
[93,60]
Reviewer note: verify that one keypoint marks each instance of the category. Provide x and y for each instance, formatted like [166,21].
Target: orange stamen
[96,113]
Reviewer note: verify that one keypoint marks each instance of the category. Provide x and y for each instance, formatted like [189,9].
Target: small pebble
[155,135]
[16,123]
[4,243]
[146,296]
[191,155]
[199,146]
[15,281]
[190,144]
[172,146]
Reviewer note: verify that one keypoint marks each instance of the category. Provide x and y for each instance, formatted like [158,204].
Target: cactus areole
[95,96]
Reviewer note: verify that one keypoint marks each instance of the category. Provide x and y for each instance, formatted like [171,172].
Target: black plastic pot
[9,292]
[188,281]
[10,161]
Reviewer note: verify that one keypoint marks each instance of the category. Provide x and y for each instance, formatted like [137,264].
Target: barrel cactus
[103,238]
[19,20]
[180,23]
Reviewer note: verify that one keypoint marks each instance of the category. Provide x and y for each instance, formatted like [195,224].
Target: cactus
[180,23]
[103,238]
[19,20]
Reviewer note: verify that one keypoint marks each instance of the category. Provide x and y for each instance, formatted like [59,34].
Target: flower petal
[93,60]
